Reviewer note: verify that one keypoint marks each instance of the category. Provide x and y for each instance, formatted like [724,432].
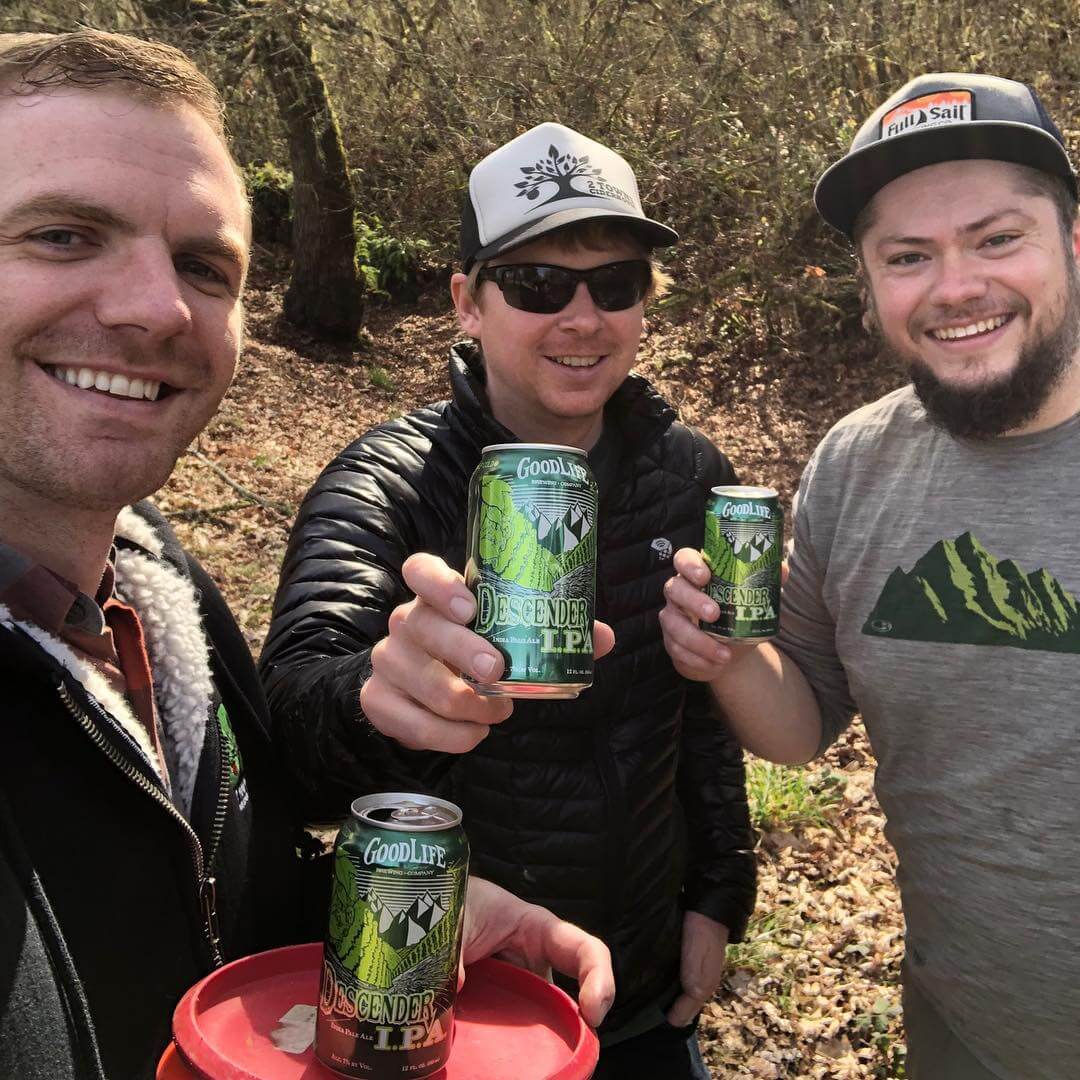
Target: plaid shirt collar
[36,594]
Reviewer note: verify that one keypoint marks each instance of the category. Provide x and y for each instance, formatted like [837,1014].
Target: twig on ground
[281,509]
[197,513]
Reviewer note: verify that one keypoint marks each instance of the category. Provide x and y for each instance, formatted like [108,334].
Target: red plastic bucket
[511,1025]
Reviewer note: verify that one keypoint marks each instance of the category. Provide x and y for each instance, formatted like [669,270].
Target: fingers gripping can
[389,978]
[532,565]
[744,539]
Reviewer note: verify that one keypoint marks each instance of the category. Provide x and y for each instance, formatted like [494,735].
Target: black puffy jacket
[618,809]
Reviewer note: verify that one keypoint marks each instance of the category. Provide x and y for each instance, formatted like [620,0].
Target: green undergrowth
[785,797]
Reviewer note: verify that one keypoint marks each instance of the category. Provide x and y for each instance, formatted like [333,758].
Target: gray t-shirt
[933,588]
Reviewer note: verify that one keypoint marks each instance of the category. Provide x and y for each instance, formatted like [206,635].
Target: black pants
[662,1053]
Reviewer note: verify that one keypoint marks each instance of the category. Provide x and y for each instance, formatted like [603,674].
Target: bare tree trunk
[878,39]
[326,293]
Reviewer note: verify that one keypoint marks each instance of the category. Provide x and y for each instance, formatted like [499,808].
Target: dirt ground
[814,990]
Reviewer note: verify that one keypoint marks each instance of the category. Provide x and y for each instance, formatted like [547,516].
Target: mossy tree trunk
[326,291]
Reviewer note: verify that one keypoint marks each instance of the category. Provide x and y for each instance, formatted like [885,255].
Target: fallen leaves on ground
[814,992]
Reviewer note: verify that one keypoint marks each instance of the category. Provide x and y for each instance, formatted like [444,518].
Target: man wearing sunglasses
[625,809]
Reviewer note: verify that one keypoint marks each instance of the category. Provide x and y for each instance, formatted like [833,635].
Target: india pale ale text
[744,541]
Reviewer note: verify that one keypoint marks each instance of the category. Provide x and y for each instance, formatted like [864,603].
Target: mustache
[92,346]
[972,312]
[1009,402]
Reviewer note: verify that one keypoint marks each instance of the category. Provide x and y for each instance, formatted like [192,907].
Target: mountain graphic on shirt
[959,593]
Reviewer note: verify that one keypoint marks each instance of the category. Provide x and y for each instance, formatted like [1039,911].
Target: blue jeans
[661,1053]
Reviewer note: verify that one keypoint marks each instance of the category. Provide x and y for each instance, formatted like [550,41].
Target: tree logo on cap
[562,170]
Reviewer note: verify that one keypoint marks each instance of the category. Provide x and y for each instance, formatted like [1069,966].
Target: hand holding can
[414,694]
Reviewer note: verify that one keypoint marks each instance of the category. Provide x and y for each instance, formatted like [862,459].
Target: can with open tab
[390,962]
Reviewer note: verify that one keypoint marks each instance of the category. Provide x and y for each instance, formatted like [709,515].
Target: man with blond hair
[624,809]
[143,835]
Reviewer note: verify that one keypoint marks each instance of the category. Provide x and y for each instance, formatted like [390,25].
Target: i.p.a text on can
[389,977]
[531,563]
[744,542]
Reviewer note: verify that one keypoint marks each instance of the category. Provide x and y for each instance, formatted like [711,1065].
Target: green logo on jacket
[230,750]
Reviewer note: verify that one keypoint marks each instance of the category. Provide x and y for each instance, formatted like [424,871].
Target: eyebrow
[973,227]
[67,206]
[220,246]
[62,205]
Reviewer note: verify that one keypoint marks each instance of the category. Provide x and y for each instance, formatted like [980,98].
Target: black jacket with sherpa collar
[617,810]
[102,921]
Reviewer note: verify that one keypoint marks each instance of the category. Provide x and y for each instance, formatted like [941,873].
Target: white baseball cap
[544,180]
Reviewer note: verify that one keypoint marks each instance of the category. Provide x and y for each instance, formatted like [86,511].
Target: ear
[866,296]
[1076,239]
[468,310]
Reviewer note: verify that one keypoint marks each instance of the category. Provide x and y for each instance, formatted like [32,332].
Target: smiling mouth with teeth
[107,383]
[982,326]
[576,361]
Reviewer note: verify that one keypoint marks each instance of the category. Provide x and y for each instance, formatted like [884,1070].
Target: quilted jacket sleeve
[340,580]
[722,869]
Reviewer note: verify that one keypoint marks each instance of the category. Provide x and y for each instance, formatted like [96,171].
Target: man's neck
[583,432]
[72,543]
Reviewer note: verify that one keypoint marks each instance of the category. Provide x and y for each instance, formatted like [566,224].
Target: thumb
[603,639]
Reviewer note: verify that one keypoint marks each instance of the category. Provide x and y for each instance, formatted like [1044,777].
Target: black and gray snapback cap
[546,179]
[935,118]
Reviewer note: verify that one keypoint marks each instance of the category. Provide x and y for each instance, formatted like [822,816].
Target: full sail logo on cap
[929,110]
[563,170]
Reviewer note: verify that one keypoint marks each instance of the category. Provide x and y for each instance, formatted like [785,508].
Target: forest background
[357,124]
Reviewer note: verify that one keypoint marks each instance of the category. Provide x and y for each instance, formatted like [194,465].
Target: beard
[1004,404]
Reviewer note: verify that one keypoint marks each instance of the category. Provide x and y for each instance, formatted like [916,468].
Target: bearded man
[935,570]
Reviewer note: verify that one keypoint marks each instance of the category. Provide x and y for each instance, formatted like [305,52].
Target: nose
[581,315]
[960,279]
[143,292]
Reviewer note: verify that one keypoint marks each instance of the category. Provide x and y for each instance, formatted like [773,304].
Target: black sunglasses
[543,289]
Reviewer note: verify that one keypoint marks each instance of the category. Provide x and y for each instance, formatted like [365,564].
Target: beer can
[532,566]
[390,962]
[744,541]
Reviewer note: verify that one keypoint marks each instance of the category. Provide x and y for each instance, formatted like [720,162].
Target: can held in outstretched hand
[390,962]
[744,541]
[532,566]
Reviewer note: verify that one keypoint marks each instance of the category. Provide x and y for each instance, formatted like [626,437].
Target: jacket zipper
[206,882]
[208,885]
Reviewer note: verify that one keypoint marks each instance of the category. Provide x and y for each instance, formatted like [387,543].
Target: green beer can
[744,539]
[531,563]
[390,962]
